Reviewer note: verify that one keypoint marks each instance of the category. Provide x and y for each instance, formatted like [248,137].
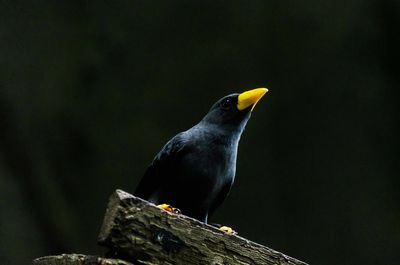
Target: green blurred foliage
[91,90]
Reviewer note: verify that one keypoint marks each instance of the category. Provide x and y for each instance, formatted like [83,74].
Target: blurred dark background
[91,90]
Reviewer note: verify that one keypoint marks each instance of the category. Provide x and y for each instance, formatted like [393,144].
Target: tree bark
[137,230]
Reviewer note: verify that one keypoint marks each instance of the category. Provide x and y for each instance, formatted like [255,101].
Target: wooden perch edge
[78,259]
[138,231]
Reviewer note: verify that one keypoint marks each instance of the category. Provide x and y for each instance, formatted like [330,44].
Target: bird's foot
[169,208]
[227,230]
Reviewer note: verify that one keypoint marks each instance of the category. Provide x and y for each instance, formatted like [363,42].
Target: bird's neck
[227,135]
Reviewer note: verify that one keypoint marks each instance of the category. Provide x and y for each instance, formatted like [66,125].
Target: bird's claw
[227,230]
[169,208]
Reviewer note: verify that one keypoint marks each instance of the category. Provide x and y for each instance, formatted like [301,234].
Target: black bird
[195,170]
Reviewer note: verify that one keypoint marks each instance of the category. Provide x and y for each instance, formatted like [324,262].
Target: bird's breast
[212,164]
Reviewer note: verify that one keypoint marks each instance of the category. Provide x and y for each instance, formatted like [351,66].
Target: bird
[194,171]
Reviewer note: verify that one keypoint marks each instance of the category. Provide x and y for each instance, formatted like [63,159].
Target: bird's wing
[163,166]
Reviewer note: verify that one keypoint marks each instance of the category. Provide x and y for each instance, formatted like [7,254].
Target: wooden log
[140,231]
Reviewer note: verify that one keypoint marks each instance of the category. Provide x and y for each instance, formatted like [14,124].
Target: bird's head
[233,111]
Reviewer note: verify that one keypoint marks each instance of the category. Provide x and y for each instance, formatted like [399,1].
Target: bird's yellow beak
[251,97]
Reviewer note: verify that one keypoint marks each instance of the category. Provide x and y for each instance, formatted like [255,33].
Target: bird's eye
[227,103]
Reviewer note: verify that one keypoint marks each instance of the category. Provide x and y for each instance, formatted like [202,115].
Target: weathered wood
[77,259]
[139,230]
